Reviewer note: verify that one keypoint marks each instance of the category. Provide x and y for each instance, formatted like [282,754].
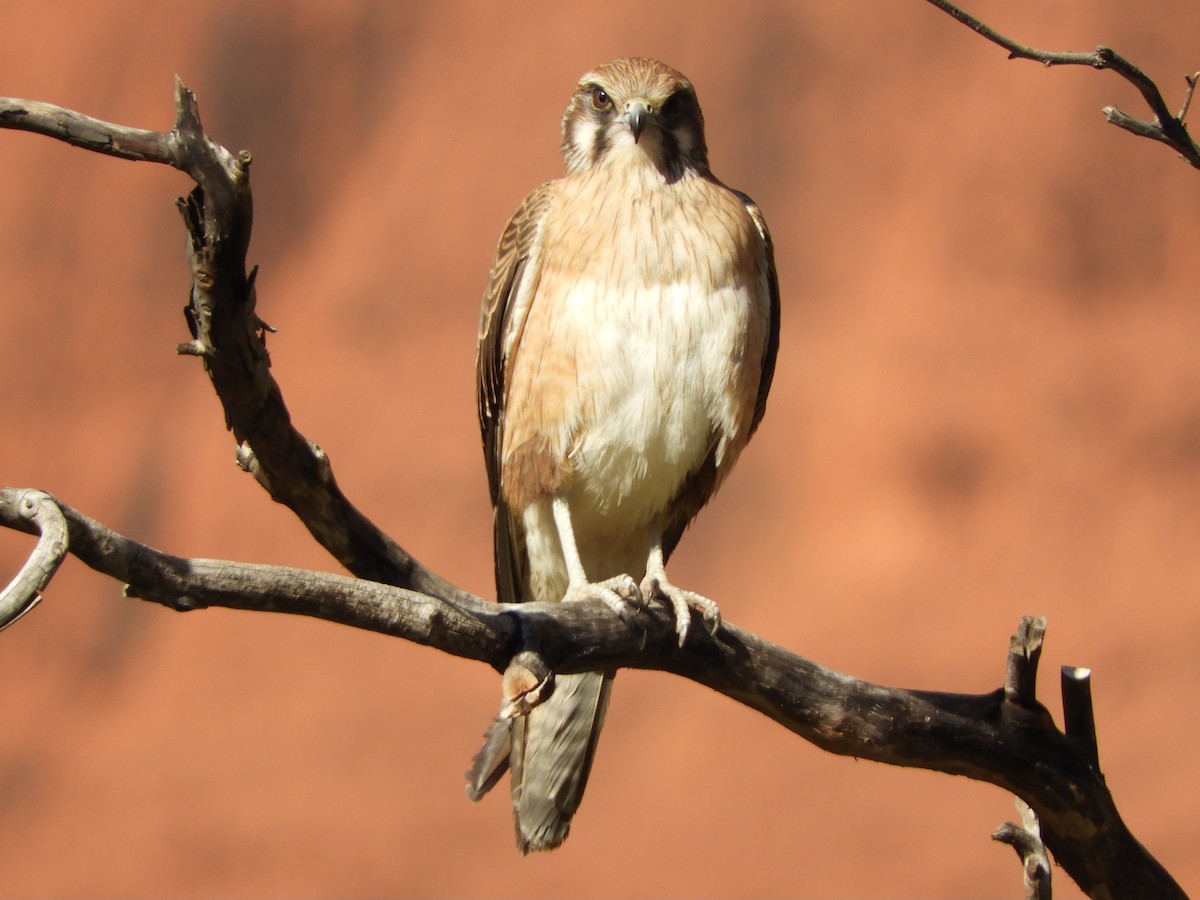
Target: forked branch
[1026,839]
[1166,127]
[1005,737]
[221,314]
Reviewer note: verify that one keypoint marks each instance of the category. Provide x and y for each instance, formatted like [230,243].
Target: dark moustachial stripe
[600,139]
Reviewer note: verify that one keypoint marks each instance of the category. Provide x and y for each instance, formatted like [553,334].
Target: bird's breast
[657,383]
[640,351]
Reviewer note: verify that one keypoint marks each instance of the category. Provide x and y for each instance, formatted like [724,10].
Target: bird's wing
[771,350]
[550,750]
[506,300]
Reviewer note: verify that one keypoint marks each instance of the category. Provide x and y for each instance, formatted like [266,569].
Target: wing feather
[510,289]
[771,350]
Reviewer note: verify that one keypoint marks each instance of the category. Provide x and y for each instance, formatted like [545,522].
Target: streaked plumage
[627,343]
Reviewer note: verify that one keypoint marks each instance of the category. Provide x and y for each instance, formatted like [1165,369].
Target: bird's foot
[620,594]
[682,602]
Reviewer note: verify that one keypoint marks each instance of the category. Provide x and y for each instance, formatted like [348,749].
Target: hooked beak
[637,114]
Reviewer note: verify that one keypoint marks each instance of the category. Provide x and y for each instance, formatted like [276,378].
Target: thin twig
[1187,98]
[1164,127]
[1026,839]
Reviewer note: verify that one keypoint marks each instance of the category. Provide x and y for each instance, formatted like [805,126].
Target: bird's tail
[549,752]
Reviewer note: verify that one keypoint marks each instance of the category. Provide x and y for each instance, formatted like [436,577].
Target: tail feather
[552,752]
[548,751]
[491,762]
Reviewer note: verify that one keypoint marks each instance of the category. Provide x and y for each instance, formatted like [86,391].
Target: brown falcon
[626,347]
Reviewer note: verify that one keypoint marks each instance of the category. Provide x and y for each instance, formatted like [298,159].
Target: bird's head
[634,108]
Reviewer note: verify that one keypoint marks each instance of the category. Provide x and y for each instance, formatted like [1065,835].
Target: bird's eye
[600,98]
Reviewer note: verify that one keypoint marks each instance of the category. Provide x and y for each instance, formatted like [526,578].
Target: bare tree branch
[230,338]
[92,134]
[1005,737]
[469,627]
[1079,719]
[25,590]
[1024,654]
[1026,839]
[1164,127]
[1187,97]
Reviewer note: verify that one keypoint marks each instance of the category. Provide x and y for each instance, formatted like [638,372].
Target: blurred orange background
[987,404]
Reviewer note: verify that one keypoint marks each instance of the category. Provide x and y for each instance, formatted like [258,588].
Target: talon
[682,603]
[710,611]
[627,589]
[683,614]
[620,594]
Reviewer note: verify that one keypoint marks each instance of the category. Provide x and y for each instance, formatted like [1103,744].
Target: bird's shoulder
[755,213]
[771,349]
[512,251]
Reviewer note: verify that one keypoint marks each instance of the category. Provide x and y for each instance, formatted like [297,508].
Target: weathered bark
[1005,737]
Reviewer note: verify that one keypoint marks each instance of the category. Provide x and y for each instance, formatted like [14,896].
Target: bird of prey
[626,347]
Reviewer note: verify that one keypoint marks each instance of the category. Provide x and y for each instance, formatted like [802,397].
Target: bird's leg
[618,594]
[683,602]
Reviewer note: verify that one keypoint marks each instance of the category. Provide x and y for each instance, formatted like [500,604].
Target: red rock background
[986,405]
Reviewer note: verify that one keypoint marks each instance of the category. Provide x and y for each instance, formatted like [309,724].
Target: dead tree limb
[1166,127]
[229,337]
[1005,737]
